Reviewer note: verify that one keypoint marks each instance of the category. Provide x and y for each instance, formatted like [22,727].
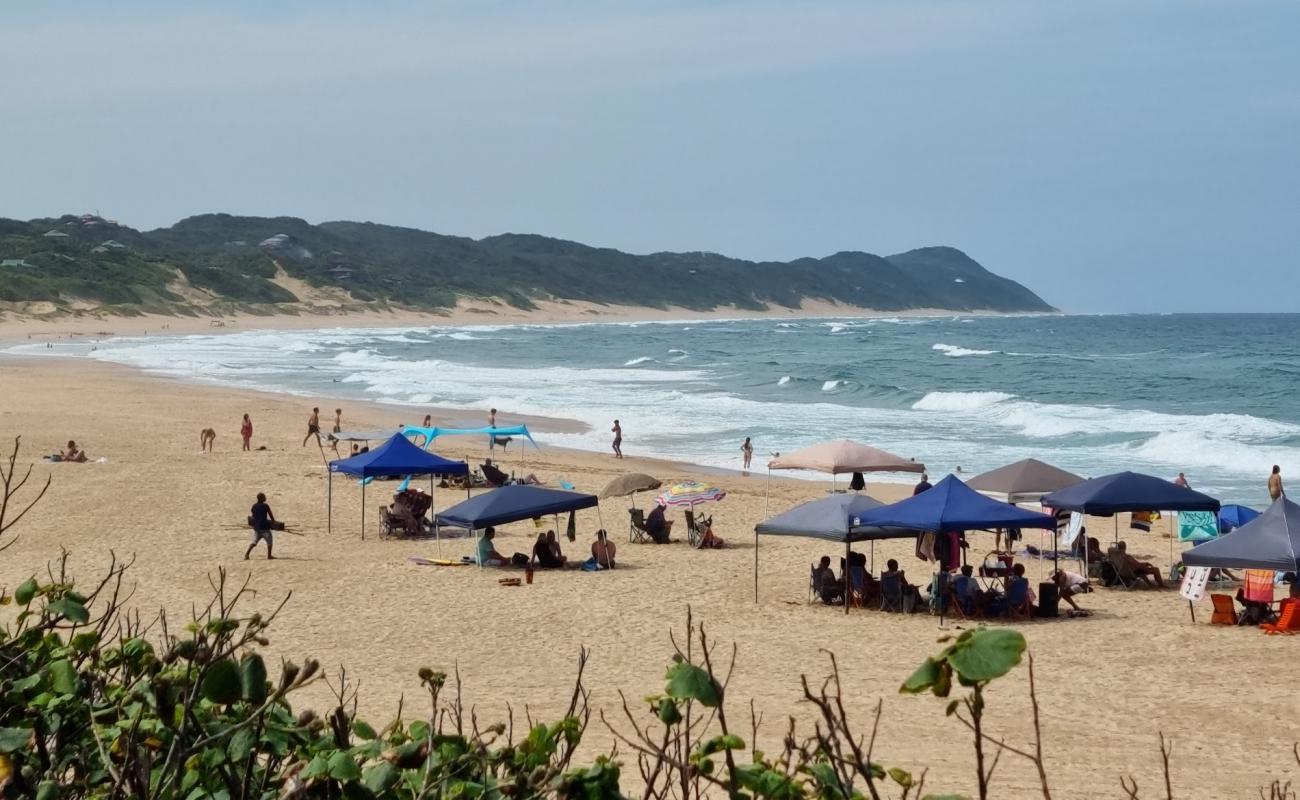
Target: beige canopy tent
[844,457]
[1023,482]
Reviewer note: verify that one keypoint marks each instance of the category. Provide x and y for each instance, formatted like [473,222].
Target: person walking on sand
[338,420]
[618,439]
[1275,489]
[262,518]
[1181,480]
[246,432]
[747,449]
[313,427]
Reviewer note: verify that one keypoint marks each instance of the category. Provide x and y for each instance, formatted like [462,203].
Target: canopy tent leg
[433,513]
[329,503]
[755,565]
[846,574]
[1192,608]
[363,511]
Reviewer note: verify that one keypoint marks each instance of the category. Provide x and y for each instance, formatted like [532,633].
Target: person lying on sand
[74,454]
[487,554]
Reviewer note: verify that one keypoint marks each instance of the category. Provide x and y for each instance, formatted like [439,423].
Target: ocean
[1214,396]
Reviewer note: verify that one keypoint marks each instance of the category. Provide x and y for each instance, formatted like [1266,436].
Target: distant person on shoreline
[246,433]
[261,517]
[747,449]
[338,420]
[428,421]
[1181,480]
[923,485]
[1275,489]
[492,418]
[617,430]
[207,438]
[313,427]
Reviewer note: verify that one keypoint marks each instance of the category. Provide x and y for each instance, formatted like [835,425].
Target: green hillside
[216,262]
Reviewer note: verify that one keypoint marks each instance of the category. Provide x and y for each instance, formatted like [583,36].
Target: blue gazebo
[395,457]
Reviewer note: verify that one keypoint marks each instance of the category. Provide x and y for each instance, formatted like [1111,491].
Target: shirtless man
[617,430]
[207,437]
[603,550]
[1275,489]
[313,427]
[74,453]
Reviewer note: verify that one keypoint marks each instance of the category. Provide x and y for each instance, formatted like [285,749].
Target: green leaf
[48,790]
[252,678]
[688,682]
[990,653]
[362,729]
[13,739]
[380,777]
[241,744]
[221,683]
[669,714]
[723,742]
[901,777]
[925,677]
[67,607]
[63,678]
[84,642]
[343,767]
[25,592]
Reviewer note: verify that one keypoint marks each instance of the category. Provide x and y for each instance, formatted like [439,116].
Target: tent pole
[755,564]
[846,574]
[767,496]
[329,503]
[363,509]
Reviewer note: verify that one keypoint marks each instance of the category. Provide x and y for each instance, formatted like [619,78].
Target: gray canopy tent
[1269,541]
[835,518]
[1024,481]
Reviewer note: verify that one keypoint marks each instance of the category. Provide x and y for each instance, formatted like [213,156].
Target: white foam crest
[960,401]
[1191,450]
[785,379]
[633,362]
[957,352]
[830,386]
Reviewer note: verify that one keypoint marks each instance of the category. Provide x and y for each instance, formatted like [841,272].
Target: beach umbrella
[1026,480]
[844,456]
[631,483]
[690,494]
[1232,517]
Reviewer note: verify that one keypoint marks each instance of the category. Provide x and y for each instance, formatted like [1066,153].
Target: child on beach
[246,432]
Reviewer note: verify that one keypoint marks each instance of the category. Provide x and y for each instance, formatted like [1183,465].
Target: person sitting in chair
[402,512]
[708,539]
[1143,569]
[828,587]
[487,554]
[967,590]
[907,589]
[656,526]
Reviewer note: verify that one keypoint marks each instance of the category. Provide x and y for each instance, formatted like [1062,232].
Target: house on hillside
[55,234]
[113,244]
[14,262]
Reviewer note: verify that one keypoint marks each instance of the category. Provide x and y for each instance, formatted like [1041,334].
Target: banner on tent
[1194,582]
[1197,526]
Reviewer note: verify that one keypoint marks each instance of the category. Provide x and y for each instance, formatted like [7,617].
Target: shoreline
[15,329]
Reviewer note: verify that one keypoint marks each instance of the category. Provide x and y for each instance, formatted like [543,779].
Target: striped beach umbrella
[690,494]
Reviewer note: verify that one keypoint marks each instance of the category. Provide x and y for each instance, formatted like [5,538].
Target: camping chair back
[494,476]
[1123,570]
[858,586]
[1288,621]
[693,533]
[891,592]
[636,527]
[1018,598]
[1225,611]
[387,525]
[964,605]
[812,583]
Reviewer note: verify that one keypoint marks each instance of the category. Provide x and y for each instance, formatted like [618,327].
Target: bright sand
[1108,683]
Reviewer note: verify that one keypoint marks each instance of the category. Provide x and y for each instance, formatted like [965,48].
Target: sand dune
[1109,682]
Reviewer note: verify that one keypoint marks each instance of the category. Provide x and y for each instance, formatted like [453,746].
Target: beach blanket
[1197,526]
[1259,585]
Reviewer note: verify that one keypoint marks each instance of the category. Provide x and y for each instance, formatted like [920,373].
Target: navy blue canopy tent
[1128,491]
[951,505]
[1232,517]
[1270,541]
[511,504]
[395,457]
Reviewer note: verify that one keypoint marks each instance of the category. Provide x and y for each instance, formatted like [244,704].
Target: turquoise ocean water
[1214,396]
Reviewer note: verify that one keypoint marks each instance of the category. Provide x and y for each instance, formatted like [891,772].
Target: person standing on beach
[262,517]
[338,420]
[748,450]
[1275,489]
[922,486]
[492,418]
[313,427]
[428,420]
[1181,480]
[618,440]
[246,432]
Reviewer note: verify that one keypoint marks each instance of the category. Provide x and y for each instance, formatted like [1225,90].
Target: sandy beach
[1108,683]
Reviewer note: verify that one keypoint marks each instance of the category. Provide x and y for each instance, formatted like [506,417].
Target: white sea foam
[959,401]
[785,379]
[955,351]
[633,362]
[830,386]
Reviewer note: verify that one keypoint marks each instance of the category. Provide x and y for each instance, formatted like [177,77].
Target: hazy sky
[1114,156]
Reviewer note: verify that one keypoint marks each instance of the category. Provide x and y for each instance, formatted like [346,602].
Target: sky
[1113,156]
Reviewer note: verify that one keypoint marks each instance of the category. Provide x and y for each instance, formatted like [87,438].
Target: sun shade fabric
[1270,541]
[360,436]
[1234,516]
[624,485]
[430,434]
[1129,491]
[690,494]
[843,457]
[1028,479]
[951,505]
[832,518]
[398,456]
[511,504]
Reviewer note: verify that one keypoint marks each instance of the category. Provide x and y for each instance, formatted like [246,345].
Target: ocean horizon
[1210,395]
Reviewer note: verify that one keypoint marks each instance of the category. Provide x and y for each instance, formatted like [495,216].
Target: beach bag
[519,560]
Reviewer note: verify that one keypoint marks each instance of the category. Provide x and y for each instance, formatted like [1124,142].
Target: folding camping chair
[812,584]
[636,532]
[388,526]
[1288,621]
[859,588]
[1225,610]
[1124,574]
[695,528]
[891,592]
[494,476]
